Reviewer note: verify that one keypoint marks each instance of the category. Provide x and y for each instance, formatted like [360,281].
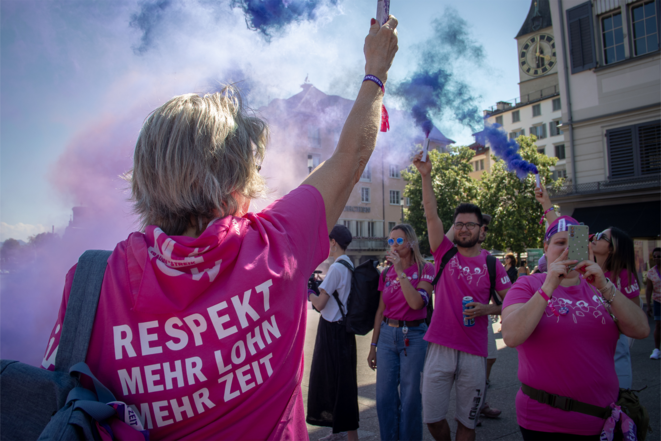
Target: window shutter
[621,152]
[581,37]
[649,140]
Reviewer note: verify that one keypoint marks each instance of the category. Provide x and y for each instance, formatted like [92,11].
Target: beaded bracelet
[541,221]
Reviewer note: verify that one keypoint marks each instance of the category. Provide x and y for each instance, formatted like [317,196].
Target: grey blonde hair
[412,239]
[193,157]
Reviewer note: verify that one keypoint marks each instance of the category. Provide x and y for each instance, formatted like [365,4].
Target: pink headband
[560,224]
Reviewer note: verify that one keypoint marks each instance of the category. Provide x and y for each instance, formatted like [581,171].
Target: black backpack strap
[449,254]
[81,309]
[491,266]
[345,264]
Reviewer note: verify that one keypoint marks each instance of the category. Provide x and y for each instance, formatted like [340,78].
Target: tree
[42,239]
[451,183]
[511,201]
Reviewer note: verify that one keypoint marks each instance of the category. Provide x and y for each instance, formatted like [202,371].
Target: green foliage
[511,202]
[452,186]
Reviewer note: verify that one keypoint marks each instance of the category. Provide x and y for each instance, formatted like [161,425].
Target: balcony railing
[368,244]
[608,186]
[524,99]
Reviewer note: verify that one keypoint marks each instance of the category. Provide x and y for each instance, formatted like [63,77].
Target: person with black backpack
[333,390]
[399,330]
[457,335]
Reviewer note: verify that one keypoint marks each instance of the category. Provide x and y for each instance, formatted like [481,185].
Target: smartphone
[578,243]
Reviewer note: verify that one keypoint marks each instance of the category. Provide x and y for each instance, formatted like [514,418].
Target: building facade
[609,66]
[304,130]
[538,109]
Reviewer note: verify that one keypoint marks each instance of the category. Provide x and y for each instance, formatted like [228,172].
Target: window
[360,229]
[513,135]
[554,129]
[316,160]
[541,150]
[367,174]
[516,116]
[539,131]
[408,202]
[394,172]
[313,137]
[560,174]
[347,223]
[394,197]
[536,110]
[481,164]
[391,225]
[365,194]
[581,42]
[371,227]
[644,24]
[612,37]
[634,150]
[556,104]
[499,120]
[560,151]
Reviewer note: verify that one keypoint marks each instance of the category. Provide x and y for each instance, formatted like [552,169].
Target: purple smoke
[506,149]
[435,90]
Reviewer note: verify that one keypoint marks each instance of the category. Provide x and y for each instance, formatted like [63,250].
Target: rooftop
[539,17]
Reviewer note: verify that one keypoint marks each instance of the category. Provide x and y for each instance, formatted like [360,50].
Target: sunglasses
[400,240]
[600,236]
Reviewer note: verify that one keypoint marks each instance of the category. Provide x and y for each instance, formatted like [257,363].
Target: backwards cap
[560,224]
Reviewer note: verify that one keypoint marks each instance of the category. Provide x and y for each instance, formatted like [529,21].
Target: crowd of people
[200,325]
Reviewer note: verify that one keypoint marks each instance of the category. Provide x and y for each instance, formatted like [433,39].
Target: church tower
[538,65]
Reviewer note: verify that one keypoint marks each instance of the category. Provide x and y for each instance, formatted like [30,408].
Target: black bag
[363,297]
[491,267]
[32,395]
[630,405]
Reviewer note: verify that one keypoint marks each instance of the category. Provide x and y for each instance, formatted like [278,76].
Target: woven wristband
[541,221]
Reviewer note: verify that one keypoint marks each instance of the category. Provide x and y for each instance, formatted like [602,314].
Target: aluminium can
[467,321]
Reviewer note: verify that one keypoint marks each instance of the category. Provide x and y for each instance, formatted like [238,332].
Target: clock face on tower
[537,56]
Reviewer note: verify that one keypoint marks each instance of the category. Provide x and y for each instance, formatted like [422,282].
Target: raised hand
[557,271]
[423,167]
[380,48]
[592,272]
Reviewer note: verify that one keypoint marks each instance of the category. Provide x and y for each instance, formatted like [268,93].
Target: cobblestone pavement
[502,392]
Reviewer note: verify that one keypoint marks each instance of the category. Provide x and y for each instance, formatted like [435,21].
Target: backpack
[32,395]
[363,298]
[630,405]
[491,268]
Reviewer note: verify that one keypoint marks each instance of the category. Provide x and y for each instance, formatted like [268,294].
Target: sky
[77,79]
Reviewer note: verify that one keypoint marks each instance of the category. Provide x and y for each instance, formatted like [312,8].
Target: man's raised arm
[434,224]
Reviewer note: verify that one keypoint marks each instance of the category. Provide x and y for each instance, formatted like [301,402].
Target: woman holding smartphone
[399,328]
[614,252]
[565,327]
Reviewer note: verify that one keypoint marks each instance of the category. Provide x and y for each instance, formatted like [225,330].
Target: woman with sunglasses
[399,328]
[614,252]
[565,328]
[653,294]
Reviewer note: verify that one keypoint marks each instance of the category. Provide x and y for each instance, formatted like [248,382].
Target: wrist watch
[402,276]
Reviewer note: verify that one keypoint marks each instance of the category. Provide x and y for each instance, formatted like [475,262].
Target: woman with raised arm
[565,326]
[399,328]
[201,319]
[614,252]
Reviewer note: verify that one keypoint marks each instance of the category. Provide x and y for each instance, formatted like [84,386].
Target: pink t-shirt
[570,355]
[393,297]
[626,284]
[204,337]
[462,276]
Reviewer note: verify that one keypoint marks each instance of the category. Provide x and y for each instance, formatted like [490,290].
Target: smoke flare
[506,149]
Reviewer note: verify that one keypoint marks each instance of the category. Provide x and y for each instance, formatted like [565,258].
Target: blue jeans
[623,362]
[400,411]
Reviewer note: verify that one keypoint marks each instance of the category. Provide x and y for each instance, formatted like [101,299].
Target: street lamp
[401,202]
[310,164]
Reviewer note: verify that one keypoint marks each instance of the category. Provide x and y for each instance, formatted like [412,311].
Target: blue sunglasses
[400,240]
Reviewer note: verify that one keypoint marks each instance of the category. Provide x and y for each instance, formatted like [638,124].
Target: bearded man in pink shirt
[201,319]
[457,350]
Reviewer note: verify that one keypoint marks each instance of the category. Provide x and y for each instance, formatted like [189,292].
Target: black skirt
[333,388]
